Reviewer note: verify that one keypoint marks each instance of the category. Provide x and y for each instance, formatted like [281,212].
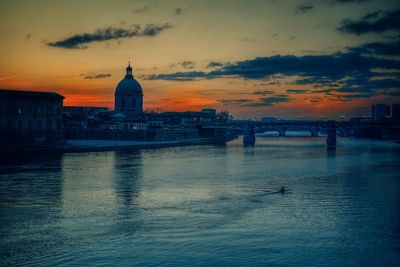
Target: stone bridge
[283,129]
[314,127]
[342,128]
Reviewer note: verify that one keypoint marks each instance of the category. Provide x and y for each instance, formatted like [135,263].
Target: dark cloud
[178,11]
[188,64]
[272,82]
[263,92]
[378,48]
[215,64]
[296,91]
[141,9]
[377,22]
[97,76]
[177,76]
[234,101]
[392,93]
[358,95]
[345,72]
[311,51]
[324,70]
[303,8]
[154,29]
[247,39]
[348,1]
[268,101]
[321,67]
[316,81]
[363,87]
[360,87]
[322,91]
[361,84]
[263,101]
[79,41]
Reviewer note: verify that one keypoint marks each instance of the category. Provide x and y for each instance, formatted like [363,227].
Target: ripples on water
[205,205]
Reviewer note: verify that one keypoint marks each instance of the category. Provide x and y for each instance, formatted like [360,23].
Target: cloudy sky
[281,58]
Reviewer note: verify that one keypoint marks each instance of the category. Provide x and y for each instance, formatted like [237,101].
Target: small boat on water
[283,190]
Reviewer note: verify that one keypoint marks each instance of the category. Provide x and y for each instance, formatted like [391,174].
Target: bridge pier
[249,136]
[331,139]
[314,132]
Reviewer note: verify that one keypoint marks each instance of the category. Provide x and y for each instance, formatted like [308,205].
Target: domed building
[129,96]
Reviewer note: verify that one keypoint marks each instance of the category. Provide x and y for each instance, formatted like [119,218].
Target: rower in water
[283,190]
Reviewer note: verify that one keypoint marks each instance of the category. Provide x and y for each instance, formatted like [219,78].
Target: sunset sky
[285,59]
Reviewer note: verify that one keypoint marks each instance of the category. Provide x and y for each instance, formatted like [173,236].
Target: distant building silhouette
[184,118]
[129,96]
[209,111]
[81,116]
[380,112]
[396,112]
[30,117]
[268,119]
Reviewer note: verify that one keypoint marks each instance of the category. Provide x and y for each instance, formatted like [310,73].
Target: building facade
[30,117]
[129,96]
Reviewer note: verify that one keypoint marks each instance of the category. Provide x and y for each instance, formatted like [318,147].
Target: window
[19,124]
[9,124]
[133,102]
[30,125]
[58,125]
[122,102]
[39,124]
[48,125]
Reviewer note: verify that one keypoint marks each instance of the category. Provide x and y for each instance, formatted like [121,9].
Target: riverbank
[84,145]
[104,145]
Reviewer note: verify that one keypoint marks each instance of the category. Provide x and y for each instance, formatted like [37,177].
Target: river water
[205,206]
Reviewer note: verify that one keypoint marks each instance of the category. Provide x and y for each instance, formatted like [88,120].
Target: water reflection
[331,153]
[128,168]
[31,192]
[249,150]
[20,184]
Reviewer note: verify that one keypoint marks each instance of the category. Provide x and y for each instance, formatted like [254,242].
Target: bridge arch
[312,130]
[280,130]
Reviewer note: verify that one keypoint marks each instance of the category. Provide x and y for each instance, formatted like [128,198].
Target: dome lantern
[129,71]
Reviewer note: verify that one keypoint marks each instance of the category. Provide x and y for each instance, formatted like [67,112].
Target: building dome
[129,97]
[129,85]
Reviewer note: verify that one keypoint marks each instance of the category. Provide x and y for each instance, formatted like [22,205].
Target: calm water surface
[205,206]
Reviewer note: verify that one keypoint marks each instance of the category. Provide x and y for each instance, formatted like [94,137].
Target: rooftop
[5,92]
